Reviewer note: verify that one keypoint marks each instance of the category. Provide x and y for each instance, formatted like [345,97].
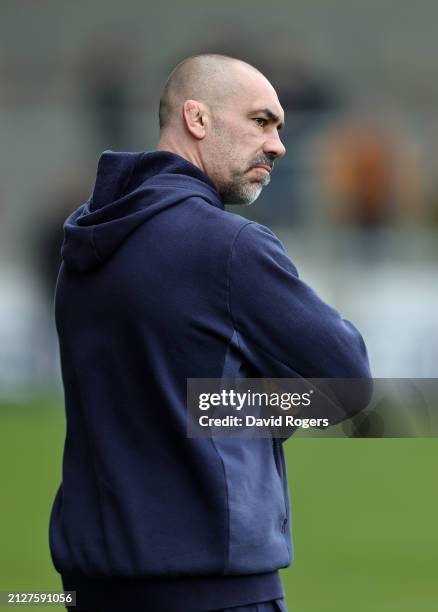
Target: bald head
[209,78]
[223,115]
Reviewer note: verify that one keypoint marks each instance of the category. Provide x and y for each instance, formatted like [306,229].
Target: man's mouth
[264,167]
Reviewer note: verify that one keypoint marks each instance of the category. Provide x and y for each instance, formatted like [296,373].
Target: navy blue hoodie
[159,284]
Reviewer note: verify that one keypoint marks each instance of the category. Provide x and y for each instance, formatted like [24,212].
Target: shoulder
[259,248]
[254,237]
[220,223]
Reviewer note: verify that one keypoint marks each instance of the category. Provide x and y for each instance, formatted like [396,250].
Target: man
[159,284]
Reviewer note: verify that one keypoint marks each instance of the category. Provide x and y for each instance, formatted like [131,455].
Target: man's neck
[169,144]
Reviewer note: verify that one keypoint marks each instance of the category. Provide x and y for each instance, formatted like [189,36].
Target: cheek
[243,145]
[233,151]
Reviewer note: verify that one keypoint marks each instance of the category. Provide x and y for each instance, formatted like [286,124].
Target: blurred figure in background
[371,173]
[106,84]
[46,237]
[58,205]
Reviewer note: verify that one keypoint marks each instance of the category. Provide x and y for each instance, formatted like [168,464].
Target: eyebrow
[271,116]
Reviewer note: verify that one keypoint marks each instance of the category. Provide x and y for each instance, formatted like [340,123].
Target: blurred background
[355,202]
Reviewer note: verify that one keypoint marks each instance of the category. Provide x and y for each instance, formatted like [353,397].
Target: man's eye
[260,121]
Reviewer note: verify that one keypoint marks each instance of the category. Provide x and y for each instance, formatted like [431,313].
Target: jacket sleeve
[284,329]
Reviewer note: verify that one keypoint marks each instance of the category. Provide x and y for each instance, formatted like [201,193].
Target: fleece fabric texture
[159,284]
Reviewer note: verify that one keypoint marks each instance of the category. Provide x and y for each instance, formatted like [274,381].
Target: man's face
[243,141]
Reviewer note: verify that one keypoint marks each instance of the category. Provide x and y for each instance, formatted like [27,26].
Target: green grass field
[364,516]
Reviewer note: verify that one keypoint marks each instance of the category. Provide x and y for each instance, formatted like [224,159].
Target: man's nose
[274,146]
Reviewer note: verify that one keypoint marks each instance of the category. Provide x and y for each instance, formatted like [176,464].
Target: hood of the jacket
[130,189]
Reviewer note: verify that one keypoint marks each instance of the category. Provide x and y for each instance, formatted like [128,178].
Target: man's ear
[195,118]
